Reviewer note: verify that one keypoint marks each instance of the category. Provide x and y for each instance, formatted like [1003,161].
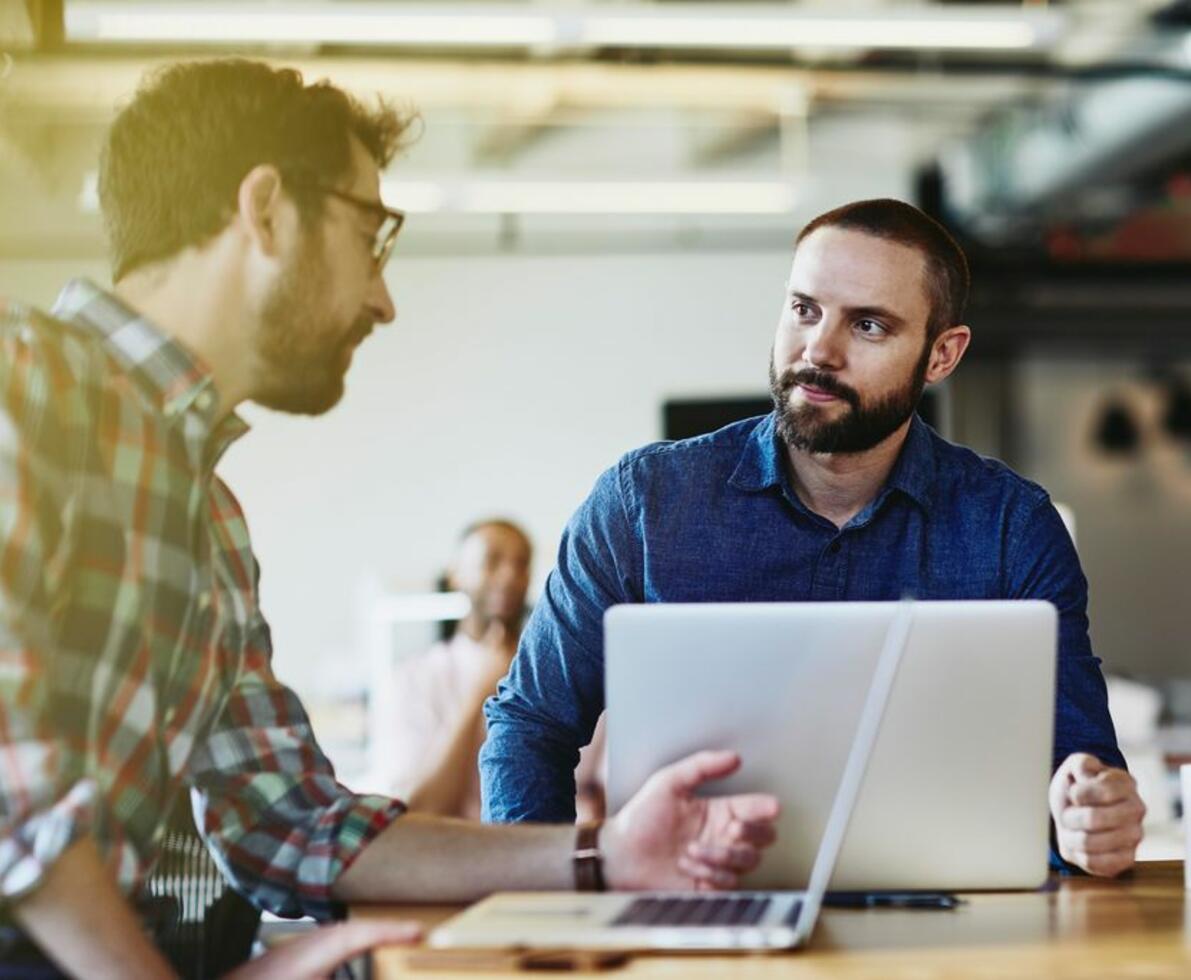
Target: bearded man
[248,240]
[841,493]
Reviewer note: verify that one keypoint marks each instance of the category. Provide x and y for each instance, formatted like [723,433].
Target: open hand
[1097,814]
[319,952]
[666,837]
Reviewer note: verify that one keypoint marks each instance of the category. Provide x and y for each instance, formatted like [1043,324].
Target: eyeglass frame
[382,248]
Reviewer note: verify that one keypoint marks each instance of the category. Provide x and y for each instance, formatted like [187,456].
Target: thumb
[687,775]
[322,950]
[1083,766]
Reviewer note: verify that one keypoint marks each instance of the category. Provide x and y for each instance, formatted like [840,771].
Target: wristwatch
[588,859]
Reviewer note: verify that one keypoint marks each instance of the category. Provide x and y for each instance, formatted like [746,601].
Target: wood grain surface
[1135,928]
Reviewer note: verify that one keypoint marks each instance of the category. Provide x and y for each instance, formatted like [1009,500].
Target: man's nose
[380,303]
[824,345]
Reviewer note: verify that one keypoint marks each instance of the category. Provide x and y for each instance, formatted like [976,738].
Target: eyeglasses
[390,219]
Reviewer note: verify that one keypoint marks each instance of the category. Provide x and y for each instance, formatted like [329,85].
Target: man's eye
[802,309]
[871,328]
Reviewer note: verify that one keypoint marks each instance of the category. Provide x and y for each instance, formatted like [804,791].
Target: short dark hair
[175,156]
[501,522]
[947,277]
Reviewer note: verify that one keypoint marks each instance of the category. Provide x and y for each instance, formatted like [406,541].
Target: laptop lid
[858,758]
[964,751]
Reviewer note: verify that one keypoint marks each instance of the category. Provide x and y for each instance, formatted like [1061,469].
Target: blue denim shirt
[714,519]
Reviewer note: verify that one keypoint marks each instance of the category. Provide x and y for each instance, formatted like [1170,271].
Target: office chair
[203,926]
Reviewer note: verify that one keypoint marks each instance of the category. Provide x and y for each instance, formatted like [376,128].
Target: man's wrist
[587,859]
[612,846]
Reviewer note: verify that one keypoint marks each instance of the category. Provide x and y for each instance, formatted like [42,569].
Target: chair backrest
[203,925]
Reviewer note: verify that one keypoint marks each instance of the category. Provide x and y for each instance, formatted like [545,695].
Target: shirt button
[169,715]
[203,401]
[204,600]
[834,548]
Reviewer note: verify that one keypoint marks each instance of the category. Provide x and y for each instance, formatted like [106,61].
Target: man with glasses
[247,237]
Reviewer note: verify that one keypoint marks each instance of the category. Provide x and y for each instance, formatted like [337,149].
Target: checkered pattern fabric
[134,660]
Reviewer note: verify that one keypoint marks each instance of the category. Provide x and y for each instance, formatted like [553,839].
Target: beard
[859,429]
[303,363]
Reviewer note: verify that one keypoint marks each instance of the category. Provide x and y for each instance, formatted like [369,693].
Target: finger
[753,806]
[760,835]
[1105,842]
[739,857]
[321,951]
[687,775]
[1100,818]
[1081,765]
[1111,787]
[704,875]
[1057,793]
[1105,865]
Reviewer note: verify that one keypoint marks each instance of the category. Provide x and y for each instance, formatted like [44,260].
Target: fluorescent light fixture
[297,23]
[492,196]
[500,196]
[752,26]
[780,31]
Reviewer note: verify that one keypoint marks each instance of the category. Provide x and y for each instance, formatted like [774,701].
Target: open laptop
[682,920]
[955,798]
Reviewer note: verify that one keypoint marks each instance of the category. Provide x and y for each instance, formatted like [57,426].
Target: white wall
[1132,514]
[505,386]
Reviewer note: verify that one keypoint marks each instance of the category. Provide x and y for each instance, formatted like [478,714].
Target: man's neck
[494,634]
[202,311]
[838,486]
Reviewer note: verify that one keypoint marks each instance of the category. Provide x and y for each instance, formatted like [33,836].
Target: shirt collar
[760,465]
[177,381]
[914,472]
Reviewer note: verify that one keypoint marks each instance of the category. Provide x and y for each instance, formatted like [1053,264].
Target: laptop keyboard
[680,910]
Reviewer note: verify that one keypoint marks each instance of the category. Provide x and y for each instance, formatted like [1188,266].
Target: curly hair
[947,277]
[175,156]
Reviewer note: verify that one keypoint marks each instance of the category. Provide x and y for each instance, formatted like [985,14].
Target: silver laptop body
[755,921]
[955,795]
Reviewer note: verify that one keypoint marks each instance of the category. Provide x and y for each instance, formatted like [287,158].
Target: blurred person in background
[439,726]
[247,239]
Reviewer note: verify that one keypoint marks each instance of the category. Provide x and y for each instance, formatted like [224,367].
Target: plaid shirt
[134,659]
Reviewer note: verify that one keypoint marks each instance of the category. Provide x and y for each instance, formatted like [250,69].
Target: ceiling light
[340,23]
[779,31]
[594,197]
[498,196]
[678,25]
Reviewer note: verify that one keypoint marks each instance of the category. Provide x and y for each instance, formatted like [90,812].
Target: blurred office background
[601,209]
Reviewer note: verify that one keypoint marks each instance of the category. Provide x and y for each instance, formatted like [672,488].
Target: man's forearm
[436,859]
[443,788]
[81,921]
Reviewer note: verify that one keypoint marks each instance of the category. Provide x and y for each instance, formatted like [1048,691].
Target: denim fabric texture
[715,519]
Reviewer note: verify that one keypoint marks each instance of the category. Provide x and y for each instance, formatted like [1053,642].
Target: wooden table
[1137,928]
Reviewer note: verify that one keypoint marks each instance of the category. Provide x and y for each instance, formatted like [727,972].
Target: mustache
[823,380]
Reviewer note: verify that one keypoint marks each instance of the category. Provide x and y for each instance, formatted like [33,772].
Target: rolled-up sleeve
[278,823]
[46,801]
[547,707]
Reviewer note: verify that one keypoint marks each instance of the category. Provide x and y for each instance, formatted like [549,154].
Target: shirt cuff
[30,848]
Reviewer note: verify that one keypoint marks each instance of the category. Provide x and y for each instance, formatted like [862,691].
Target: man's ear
[946,353]
[259,206]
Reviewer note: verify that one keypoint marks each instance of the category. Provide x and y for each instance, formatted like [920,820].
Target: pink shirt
[432,691]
